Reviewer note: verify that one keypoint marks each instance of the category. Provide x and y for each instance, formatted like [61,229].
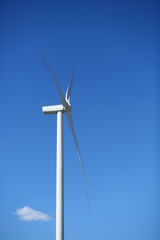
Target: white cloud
[28,214]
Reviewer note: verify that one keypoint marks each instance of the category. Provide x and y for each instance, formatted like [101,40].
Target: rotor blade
[69,89]
[69,116]
[60,92]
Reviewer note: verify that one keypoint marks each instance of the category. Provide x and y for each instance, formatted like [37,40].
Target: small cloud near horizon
[28,214]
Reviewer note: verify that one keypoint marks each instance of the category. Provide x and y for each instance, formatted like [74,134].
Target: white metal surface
[60,180]
[59,110]
[69,89]
[52,109]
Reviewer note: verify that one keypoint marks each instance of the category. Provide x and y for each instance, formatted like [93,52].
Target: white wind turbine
[59,110]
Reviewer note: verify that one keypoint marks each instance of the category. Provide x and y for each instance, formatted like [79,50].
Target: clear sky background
[115,115]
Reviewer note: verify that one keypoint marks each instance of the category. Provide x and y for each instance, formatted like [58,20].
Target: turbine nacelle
[53,109]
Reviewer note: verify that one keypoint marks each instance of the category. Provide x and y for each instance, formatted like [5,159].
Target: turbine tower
[65,106]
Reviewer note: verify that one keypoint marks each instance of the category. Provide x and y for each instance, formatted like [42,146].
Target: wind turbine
[65,106]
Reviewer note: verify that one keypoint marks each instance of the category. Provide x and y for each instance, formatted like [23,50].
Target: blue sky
[114,109]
